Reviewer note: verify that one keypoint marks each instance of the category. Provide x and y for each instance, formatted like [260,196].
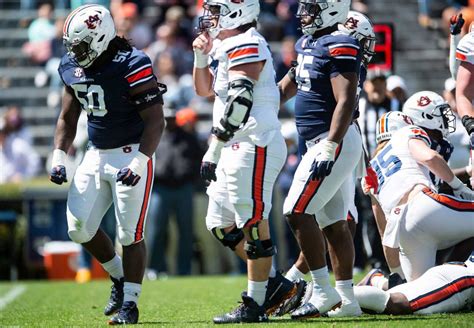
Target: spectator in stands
[397,91]
[179,155]
[40,32]
[14,124]
[130,26]
[19,160]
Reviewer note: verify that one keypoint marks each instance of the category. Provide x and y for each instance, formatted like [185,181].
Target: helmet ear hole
[428,116]
[101,38]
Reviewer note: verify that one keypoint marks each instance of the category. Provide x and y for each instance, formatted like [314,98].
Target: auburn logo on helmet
[92,21]
[424,101]
[352,23]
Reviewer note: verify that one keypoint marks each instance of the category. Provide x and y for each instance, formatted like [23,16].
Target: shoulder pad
[139,68]
[415,132]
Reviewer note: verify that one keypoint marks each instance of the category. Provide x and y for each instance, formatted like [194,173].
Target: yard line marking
[11,296]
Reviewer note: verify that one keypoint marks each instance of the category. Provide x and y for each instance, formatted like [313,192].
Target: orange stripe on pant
[453,203]
[310,189]
[438,295]
[146,196]
[257,185]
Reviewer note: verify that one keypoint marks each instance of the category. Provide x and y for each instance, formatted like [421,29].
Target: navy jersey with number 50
[319,60]
[104,93]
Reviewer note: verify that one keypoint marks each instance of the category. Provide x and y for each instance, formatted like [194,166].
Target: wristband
[200,59]
[59,158]
[214,152]
[139,163]
[328,149]
[455,183]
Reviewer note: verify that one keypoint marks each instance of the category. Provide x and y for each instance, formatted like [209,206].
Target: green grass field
[181,302]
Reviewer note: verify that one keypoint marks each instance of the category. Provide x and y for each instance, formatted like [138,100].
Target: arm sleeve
[453,63]
[465,49]
[246,52]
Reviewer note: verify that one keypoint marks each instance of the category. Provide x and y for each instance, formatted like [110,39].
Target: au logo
[424,101]
[352,23]
[78,72]
[93,21]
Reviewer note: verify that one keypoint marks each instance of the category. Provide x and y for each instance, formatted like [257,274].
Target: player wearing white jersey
[417,215]
[444,288]
[247,151]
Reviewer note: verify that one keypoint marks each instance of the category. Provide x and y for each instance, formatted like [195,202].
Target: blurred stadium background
[412,44]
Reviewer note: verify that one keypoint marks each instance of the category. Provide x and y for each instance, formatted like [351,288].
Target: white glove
[214,151]
[460,190]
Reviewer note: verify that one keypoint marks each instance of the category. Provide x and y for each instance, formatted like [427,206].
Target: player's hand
[128,177]
[208,171]
[456,24]
[210,159]
[58,174]
[324,161]
[370,183]
[202,43]
[464,192]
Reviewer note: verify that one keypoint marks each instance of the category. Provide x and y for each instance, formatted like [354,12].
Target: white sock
[345,288]
[114,267]
[371,298]
[273,272]
[294,274]
[131,292]
[257,290]
[321,277]
[398,270]
[379,281]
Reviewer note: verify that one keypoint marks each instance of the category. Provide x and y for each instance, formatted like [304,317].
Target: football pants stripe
[146,197]
[451,202]
[257,185]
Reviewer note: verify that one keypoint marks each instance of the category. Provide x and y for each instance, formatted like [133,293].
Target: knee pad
[126,238]
[230,239]
[80,236]
[256,249]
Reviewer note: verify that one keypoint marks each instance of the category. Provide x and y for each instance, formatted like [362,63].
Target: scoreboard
[384,49]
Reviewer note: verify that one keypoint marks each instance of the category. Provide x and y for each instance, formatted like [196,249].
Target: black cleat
[394,280]
[279,290]
[293,302]
[127,315]
[306,311]
[247,311]
[116,297]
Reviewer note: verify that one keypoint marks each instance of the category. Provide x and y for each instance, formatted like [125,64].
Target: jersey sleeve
[344,55]
[465,49]
[415,132]
[139,70]
[244,51]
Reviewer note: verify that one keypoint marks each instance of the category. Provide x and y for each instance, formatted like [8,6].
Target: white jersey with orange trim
[244,48]
[397,171]
[465,49]
[442,289]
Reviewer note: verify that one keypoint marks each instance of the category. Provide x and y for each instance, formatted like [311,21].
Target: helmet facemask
[310,8]
[80,51]
[368,45]
[209,21]
[447,119]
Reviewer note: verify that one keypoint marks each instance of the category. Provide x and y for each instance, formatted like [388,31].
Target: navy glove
[58,174]
[457,22]
[208,171]
[324,161]
[127,177]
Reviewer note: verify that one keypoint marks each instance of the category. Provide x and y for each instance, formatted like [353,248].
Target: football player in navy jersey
[325,83]
[114,82]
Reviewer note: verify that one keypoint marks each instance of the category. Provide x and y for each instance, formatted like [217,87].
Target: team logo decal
[424,101]
[352,23]
[93,21]
[127,149]
[397,211]
[235,146]
[78,72]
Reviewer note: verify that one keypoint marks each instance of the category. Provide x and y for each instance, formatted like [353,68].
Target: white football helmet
[227,15]
[360,27]
[87,33]
[390,122]
[325,13]
[429,110]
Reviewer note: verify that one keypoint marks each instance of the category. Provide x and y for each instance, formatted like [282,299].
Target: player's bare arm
[345,90]
[152,117]
[67,121]
[465,90]
[287,87]
[202,76]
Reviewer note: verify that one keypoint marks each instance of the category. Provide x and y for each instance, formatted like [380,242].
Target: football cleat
[326,299]
[247,311]
[116,297]
[366,281]
[292,303]
[351,309]
[127,315]
[279,290]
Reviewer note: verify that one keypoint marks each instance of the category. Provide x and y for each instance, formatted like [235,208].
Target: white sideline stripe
[11,296]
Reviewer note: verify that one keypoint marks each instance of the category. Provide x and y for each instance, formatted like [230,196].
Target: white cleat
[351,309]
[326,299]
